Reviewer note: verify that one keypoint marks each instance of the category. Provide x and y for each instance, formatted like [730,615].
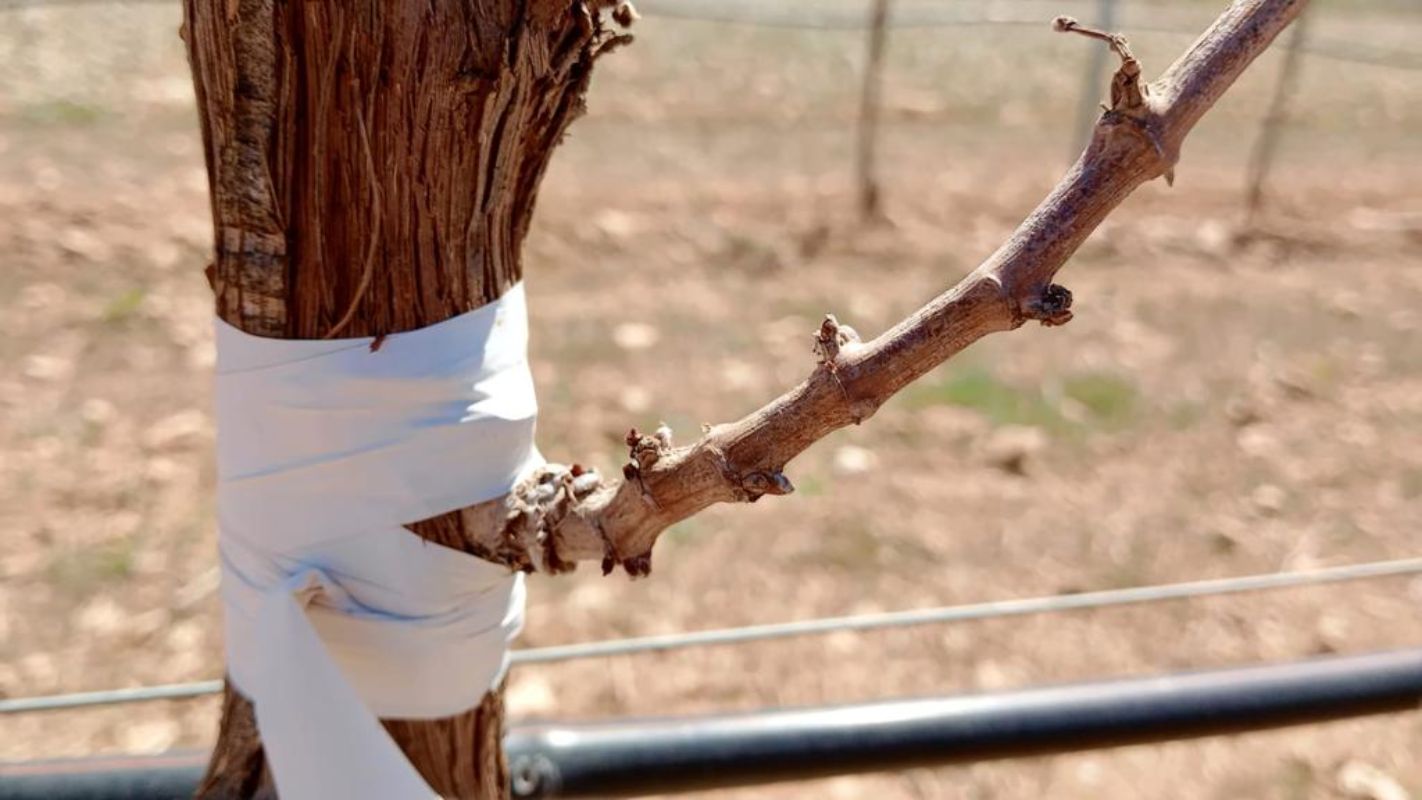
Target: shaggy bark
[373,169]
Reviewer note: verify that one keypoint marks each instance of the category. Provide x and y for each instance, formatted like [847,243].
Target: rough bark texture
[373,168]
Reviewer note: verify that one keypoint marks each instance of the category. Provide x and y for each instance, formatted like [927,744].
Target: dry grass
[1219,406]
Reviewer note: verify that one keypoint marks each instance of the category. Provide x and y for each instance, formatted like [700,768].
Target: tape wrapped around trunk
[335,613]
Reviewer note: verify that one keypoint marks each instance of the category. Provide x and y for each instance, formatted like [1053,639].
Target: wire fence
[939,14]
[948,14]
[1138,19]
[853,17]
[1109,598]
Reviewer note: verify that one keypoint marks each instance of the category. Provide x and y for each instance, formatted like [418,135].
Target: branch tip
[1117,42]
[1127,93]
[1129,97]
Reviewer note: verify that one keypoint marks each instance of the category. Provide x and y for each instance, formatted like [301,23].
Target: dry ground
[1221,405]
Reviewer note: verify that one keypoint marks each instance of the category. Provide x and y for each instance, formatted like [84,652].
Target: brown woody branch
[1137,139]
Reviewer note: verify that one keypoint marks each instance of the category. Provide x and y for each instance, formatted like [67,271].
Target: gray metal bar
[1271,129]
[652,756]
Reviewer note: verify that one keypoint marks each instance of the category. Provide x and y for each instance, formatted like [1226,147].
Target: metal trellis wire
[849,18]
[861,622]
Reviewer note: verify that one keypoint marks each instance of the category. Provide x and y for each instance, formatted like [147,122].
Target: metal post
[1271,130]
[870,200]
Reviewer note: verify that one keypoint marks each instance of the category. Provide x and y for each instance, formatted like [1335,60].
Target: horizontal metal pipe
[171,776]
[677,755]
[636,757]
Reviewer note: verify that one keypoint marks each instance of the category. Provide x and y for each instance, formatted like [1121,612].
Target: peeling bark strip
[373,168]
[1137,139]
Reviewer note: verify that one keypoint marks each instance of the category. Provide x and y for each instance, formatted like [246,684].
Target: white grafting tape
[335,613]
